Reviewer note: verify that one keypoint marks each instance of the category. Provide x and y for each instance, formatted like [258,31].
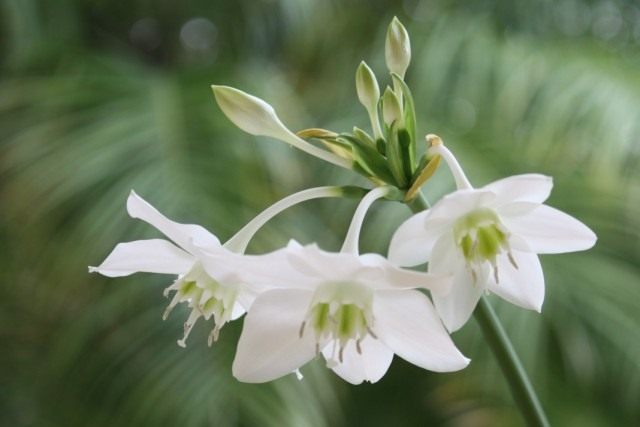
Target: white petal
[456,307]
[550,231]
[523,286]
[411,244]
[377,272]
[407,322]
[530,187]
[270,345]
[149,256]
[454,205]
[181,234]
[370,365]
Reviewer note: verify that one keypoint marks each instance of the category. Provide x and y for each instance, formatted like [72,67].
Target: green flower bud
[397,48]
[367,87]
[391,109]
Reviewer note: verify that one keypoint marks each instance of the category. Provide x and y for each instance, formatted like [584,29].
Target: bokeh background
[98,97]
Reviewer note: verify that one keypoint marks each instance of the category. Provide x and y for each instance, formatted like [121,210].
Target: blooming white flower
[488,238]
[357,310]
[222,295]
[210,275]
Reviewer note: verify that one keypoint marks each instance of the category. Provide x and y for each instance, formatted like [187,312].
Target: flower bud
[391,109]
[249,113]
[397,48]
[255,116]
[367,87]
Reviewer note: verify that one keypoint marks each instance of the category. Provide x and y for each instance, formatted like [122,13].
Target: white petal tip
[298,374]
[93,269]
[181,343]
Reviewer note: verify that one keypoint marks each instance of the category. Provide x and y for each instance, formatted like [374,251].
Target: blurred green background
[98,97]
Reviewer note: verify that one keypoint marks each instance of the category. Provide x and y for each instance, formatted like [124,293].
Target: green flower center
[481,237]
[206,297]
[340,312]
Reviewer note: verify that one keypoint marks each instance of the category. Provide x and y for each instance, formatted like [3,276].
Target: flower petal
[369,365]
[523,286]
[550,231]
[148,256]
[411,244]
[270,345]
[181,234]
[531,187]
[406,321]
[378,272]
[455,308]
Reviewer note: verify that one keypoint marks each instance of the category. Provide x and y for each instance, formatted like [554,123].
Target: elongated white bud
[255,116]
[367,86]
[391,109]
[368,94]
[397,49]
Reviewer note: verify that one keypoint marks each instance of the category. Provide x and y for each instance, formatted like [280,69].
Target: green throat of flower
[481,237]
[340,313]
[206,297]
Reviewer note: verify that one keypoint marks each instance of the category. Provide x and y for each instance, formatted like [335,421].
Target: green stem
[495,335]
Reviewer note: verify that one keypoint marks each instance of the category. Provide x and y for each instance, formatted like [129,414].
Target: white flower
[221,295]
[357,310]
[253,115]
[488,238]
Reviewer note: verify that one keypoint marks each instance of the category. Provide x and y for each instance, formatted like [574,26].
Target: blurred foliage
[99,97]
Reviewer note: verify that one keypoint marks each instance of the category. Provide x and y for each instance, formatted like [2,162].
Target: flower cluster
[358,310]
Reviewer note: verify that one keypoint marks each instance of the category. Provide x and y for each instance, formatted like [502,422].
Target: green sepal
[363,136]
[369,158]
[409,113]
[394,156]
[404,141]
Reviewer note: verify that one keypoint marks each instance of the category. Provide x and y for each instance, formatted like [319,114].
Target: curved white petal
[550,231]
[270,345]
[181,234]
[411,244]
[370,365]
[531,187]
[376,271]
[148,256]
[452,206]
[523,286]
[406,321]
[455,308]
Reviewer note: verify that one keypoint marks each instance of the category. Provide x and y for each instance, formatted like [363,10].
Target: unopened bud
[397,48]
[391,109]
[250,113]
[367,87]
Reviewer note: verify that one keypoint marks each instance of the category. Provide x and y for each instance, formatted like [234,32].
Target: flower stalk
[494,334]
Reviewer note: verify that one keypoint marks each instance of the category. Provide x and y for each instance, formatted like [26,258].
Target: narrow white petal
[455,308]
[523,286]
[181,234]
[369,365]
[411,244]
[270,345]
[530,187]
[379,273]
[148,256]
[550,231]
[407,322]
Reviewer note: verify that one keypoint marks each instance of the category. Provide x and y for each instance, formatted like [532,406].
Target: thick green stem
[521,388]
